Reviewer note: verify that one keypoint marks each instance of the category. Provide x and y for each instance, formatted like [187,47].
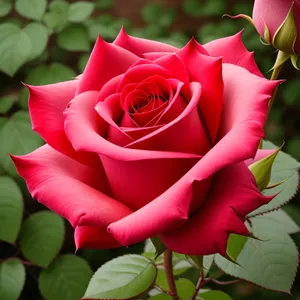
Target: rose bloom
[278,22]
[151,140]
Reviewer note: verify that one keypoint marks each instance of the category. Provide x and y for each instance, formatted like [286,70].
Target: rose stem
[200,284]
[169,273]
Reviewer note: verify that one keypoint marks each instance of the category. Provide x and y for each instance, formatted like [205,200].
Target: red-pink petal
[207,71]
[139,46]
[234,195]
[69,188]
[106,61]
[233,51]
[46,106]
[94,238]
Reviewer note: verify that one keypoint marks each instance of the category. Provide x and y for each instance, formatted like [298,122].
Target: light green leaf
[74,38]
[65,279]
[279,220]
[11,210]
[270,263]
[180,266]
[15,48]
[12,279]
[31,9]
[207,263]
[214,295]
[122,278]
[6,103]
[42,237]
[185,288]
[17,137]
[5,7]
[38,35]
[284,167]
[80,11]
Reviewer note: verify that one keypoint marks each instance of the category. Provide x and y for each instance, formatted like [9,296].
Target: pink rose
[151,140]
[278,22]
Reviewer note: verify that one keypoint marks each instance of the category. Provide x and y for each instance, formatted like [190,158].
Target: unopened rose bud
[278,22]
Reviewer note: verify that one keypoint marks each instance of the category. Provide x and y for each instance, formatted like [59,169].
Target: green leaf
[83,61]
[5,7]
[279,220]
[185,288]
[31,9]
[293,146]
[159,246]
[122,278]
[161,297]
[158,14]
[270,263]
[38,35]
[196,8]
[80,11]
[104,4]
[17,137]
[11,210]
[284,167]
[46,74]
[6,103]
[291,93]
[261,170]
[74,38]
[57,16]
[15,48]
[12,279]
[42,237]
[235,245]
[214,295]
[65,279]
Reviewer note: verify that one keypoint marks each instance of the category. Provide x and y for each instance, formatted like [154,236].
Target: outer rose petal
[69,188]
[208,71]
[139,46]
[46,106]
[106,61]
[94,238]
[233,51]
[233,196]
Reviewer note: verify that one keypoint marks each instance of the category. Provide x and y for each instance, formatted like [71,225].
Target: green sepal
[160,248]
[267,35]
[286,35]
[294,60]
[261,169]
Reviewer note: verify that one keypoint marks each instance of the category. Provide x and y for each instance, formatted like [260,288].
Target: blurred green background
[49,41]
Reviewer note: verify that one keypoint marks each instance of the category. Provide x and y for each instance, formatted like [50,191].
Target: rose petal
[233,51]
[69,188]
[109,88]
[106,61]
[139,46]
[207,71]
[233,196]
[260,154]
[46,106]
[179,134]
[94,238]
[155,55]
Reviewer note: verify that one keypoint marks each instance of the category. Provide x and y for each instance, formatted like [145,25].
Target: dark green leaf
[18,138]
[12,279]
[74,38]
[160,248]
[80,11]
[6,103]
[158,14]
[31,9]
[38,35]
[65,279]
[214,295]
[83,61]
[41,237]
[5,7]
[11,210]
[124,277]
[104,4]
[161,297]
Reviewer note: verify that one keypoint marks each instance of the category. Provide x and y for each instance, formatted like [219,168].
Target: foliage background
[56,45]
